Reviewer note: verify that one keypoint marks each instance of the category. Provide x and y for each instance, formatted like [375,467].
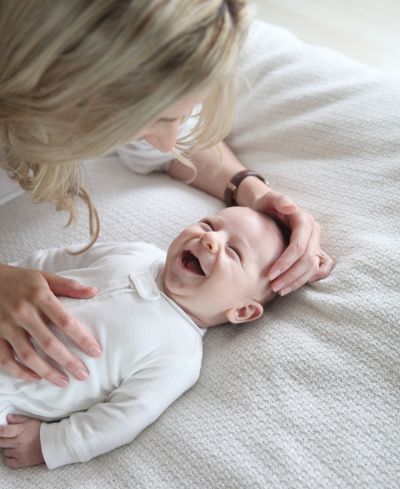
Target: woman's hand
[20,440]
[27,302]
[303,260]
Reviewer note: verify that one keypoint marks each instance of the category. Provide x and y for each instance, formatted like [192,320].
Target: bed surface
[308,396]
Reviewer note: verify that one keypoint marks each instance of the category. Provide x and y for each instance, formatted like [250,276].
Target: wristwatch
[232,187]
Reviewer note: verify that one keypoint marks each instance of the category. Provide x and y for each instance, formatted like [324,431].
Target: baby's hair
[79,78]
[285,233]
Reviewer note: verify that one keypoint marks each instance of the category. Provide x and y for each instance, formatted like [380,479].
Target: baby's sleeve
[137,403]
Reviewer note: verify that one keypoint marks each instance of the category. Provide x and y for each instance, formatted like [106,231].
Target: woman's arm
[215,167]
[303,261]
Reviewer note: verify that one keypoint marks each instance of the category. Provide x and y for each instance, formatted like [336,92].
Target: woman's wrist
[249,190]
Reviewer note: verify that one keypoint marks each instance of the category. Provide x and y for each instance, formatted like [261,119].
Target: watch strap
[236,180]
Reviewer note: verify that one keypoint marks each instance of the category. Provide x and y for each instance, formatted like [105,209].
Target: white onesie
[152,354]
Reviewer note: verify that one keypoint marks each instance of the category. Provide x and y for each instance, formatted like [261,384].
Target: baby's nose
[210,242]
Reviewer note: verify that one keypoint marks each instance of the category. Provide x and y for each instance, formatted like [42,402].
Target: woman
[79,78]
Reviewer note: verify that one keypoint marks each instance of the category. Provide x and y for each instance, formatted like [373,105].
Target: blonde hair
[80,77]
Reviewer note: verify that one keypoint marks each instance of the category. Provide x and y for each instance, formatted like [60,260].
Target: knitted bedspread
[308,396]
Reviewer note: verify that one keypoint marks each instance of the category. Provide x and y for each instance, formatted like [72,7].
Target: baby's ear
[251,311]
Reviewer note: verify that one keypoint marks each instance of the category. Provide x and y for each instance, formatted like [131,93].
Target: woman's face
[162,133]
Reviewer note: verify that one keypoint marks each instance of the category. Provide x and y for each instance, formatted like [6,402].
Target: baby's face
[221,263]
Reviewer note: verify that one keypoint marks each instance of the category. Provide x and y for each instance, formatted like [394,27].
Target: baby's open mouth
[190,262]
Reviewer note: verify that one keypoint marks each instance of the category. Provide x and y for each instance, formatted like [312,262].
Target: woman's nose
[164,138]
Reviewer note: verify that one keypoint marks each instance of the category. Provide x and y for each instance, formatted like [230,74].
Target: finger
[10,452]
[56,312]
[275,202]
[324,269]
[305,267]
[17,419]
[294,281]
[285,205]
[7,442]
[10,431]
[12,366]
[29,356]
[68,287]
[301,233]
[12,463]
[55,349]
[299,282]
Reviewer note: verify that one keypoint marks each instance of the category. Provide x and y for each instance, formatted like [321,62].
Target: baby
[150,315]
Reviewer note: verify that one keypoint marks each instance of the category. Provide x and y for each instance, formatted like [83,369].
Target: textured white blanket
[309,396]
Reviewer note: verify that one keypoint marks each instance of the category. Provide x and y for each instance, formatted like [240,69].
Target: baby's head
[216,269]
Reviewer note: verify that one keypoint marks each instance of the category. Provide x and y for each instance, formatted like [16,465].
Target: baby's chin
[173,283]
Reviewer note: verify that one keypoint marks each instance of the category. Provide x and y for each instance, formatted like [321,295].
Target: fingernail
[279,285]
[284,291]
[95,351]
[61,381]
[81,374]
[274,274]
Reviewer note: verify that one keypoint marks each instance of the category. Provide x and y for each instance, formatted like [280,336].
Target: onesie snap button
[145,285]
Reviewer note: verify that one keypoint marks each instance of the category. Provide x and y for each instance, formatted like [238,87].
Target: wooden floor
[366,30]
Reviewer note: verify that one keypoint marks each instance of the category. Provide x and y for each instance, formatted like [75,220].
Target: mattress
[308,396]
